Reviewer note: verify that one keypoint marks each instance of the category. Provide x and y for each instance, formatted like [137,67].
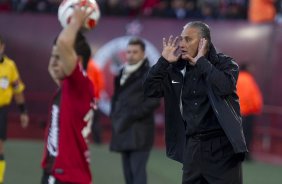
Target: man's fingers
[89,10]
[205,43]
[164,42]
[201,44]
[175,41]
[178,56]
[83,10]
[89,115]
[170,40]
[188,57]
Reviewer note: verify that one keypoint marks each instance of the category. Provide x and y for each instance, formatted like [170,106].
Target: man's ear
[208,44]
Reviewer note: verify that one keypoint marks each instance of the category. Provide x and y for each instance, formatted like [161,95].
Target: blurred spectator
[19,5]
[235,10]
[177,9]
[53,5]
[250,102]
[140,7]
[192,9]
[44,6]
[5,5]
[209,8]
[132,115]
[148,6]
[161,8]
[133,7]
[112,7]
[262,11]
[279,11]
[208,11]
[180,9]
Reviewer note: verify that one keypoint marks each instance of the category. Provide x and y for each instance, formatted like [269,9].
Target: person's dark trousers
[3,122]
[211,161]
[134,166]
[3,136]
[248,125]
[96,128]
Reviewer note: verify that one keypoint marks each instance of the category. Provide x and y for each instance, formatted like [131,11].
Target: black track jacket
[221,73]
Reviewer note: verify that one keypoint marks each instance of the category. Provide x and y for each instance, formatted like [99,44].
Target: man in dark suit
[203,121]
[132,115]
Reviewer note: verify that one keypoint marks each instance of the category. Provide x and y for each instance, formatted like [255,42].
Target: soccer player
[66,155]
[10,85]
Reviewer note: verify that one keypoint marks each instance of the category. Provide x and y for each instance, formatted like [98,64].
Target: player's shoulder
[10,64]
[227,60]
[79,75]
[224,57]
[9,61]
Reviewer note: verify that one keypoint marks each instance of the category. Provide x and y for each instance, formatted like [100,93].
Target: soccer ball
[66,9]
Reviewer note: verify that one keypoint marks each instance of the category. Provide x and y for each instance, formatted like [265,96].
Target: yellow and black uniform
[10,84]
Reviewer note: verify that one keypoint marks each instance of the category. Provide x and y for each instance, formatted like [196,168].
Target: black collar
[2,60]
[212,54]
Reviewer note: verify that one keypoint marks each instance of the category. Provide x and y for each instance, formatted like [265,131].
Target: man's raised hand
[169,49]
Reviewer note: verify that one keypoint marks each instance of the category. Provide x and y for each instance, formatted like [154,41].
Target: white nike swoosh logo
[174,82]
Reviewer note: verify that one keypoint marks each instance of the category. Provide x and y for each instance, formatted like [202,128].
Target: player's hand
[169,49]
[24,120]
[202,50]
[88,118]
[95,104]
[80,14]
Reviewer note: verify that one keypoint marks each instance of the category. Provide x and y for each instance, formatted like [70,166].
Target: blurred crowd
[179,9]
[45,6]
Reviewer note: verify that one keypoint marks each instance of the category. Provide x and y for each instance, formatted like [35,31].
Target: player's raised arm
[66,39]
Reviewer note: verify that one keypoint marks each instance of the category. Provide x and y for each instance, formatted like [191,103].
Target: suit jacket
[132,113]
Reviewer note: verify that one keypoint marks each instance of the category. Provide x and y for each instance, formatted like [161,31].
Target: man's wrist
[76,24]
[198,58]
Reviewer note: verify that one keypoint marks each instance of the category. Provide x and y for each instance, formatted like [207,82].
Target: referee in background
[10,85]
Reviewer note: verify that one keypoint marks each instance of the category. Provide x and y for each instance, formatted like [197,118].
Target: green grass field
[23,166]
